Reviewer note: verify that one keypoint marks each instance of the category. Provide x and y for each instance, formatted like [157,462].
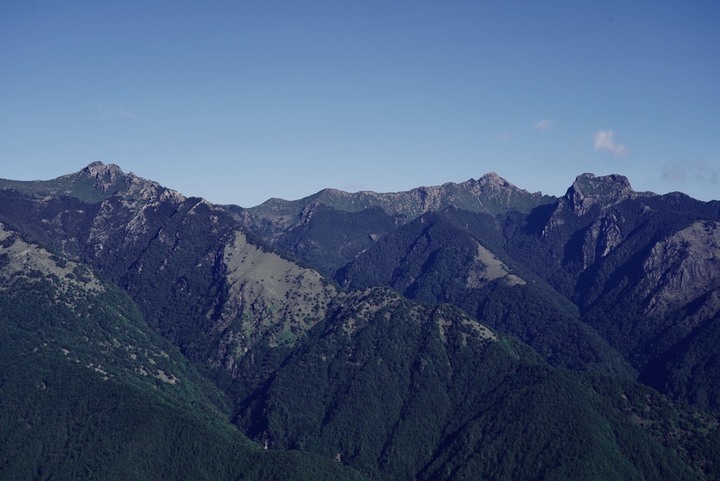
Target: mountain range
[464,331]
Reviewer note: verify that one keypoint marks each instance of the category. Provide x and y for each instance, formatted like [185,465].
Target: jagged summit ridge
[491,186]
[490,194]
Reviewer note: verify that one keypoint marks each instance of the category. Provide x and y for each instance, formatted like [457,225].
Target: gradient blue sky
[240,101]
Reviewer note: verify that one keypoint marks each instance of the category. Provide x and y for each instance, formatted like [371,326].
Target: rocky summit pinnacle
[106,177]
[98,170]
[589,190]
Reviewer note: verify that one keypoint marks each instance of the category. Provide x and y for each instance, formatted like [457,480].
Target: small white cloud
[603,140]
[544,124]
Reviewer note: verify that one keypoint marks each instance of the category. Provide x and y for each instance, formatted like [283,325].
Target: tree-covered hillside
[88,391]
[404,391]
[146,335]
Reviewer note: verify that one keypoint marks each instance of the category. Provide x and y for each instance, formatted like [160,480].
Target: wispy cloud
[691,170]
[544,124]
[603,140]
[117,113]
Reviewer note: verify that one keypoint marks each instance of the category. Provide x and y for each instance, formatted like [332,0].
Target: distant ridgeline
[465,331]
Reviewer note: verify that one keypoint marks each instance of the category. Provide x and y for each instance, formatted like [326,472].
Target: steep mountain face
[117,270]
[671,312]
[641,268]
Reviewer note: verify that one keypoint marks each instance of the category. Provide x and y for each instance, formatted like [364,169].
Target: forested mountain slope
[522,379]
[88,391]
[405,391]
[640,269]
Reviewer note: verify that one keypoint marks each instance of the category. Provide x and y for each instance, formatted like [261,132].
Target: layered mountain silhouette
[466,331]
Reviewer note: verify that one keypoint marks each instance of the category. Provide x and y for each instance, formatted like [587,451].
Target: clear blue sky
[239,101]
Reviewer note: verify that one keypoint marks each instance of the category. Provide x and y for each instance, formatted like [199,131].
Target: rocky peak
[589,190]
[105,178]
[496,194]
[490,182]
[98,182]
[99,170]
[492,179]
